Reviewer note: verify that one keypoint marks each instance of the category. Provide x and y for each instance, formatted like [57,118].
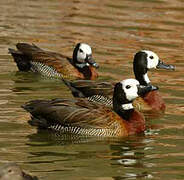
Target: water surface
[115,30]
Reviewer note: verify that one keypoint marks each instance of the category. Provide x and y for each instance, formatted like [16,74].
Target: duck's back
[76,116]
[98,92]
[32,58]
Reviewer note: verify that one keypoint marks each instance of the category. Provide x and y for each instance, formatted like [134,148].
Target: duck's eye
[151,57]
[128,87]
[9,170]
[81,50]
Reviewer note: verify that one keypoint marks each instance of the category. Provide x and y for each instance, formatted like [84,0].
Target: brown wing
[98,92]
[78,113]
[58,61]
[60,64]
[89,88]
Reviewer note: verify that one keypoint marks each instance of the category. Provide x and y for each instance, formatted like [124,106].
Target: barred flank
[84,131]
[44,69]
[101,99]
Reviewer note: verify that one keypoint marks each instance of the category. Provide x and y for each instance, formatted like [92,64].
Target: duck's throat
[127,106]
[81,65]
[125,114]
[85,69]
[140,73]
[124,110]
[143,79]
[146,78]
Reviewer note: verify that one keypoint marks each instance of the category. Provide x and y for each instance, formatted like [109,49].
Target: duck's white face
[130,88]
[152,59]
[83,51]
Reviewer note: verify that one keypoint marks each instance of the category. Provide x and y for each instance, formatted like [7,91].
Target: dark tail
[23,55]
[38,122]
[21,60]
[76,92]
[33,107]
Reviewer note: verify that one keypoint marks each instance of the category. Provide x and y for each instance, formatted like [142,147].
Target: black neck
[141,78]
[75,51]
[85,71]
[79,66]
[119,98]
[125,114]
[140,67]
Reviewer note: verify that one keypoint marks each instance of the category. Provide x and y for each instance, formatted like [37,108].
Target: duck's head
[145,60]
[11,171]
[82,56]
[124,94]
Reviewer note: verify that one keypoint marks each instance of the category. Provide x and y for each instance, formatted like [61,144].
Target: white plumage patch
[130,88]
[146,78]
[152,59]
[127,106]
[84,49]
[82,65]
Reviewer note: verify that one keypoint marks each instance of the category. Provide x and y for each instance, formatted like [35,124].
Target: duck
[80,117]
[30,57]
[102,92]
[11,171]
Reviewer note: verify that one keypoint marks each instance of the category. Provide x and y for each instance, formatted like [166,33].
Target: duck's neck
[125,114]
[140,70]
[134,120]
[141,74]
[123,107]
[85,70]
[143,79]
[81,65]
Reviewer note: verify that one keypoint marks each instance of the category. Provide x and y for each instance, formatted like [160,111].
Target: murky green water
[115,30]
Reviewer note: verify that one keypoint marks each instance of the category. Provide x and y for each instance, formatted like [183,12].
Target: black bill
[142,90]
[162,65]
[91,61]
